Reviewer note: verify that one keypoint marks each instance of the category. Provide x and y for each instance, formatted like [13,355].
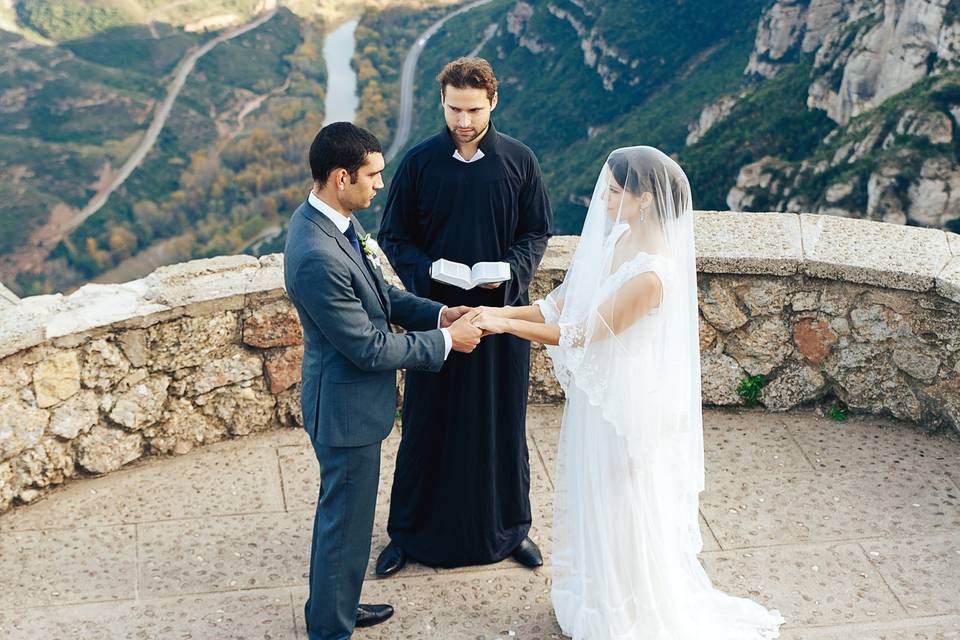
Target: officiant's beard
[466,138]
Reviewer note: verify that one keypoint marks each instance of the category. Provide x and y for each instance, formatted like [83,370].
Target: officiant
[468,194]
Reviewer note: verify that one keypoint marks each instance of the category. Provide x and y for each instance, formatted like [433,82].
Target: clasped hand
[467,325]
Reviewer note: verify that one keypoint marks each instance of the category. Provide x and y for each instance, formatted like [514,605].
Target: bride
[622,332]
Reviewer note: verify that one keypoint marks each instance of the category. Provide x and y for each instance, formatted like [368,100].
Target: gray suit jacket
[348,390]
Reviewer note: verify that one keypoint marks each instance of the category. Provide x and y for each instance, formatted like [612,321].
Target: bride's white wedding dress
[630,459]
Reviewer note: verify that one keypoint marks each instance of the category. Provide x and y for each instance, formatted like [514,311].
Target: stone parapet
[7,298]
[825,309]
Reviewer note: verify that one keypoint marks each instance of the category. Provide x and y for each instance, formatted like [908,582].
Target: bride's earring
[643,213]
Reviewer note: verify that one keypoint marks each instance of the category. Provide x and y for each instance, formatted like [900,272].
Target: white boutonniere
[370,249]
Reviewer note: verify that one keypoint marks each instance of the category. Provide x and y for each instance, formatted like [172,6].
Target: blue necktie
[351,234]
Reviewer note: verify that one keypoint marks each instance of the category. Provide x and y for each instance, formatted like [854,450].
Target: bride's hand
[490,322]
[496,312]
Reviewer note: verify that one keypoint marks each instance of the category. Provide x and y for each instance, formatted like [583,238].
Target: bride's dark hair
[639,169]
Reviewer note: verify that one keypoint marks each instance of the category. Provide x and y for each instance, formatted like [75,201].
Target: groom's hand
[451,315]
[465,336]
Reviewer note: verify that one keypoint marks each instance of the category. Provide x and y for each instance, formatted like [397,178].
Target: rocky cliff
[886,73]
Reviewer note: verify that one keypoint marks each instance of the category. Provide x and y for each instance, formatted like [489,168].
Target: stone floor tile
[808,584]
[301,477]
[924,573]
[288,437]
[545,443]
[749,443]
[745,512]
[949,455]
[709,540]
[864,443]
[225,553]
[544,416]
[42,568]
[540,473]
[220,479]
[247,615]
[939,628]
[483,605]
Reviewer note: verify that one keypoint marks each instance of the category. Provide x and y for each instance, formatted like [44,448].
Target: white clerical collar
[337,218]
[476,156]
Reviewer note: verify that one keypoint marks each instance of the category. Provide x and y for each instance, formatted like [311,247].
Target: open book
[460,275]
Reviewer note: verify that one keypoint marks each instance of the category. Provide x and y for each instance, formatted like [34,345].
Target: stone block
[877,323]
[761,346]
[134,345]
[729,242]
[765,296]
[105,449]
[205,337]
[866,379]
[181,428]
[543,385]
[8,490]
[948,280]
[720,377]
[100,305]
[21,427]
[289,412]
[56,378]
[708,335]
[283,368]
[242,408]
[916,361]
[75,416]
[202,280]
[48,463]
[235,367]
[877,253]
[142,404]
[814,339]
[795,385]
[275,325]
[719,305]
[7,298]
[104,365]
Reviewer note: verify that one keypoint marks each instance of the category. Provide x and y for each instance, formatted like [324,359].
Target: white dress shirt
[478,155]
[342,222]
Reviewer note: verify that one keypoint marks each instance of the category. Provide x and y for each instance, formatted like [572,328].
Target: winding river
[342,100]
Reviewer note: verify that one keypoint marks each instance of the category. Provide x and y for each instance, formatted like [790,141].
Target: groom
[348,390]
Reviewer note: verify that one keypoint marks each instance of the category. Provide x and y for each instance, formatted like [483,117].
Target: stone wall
[211,349]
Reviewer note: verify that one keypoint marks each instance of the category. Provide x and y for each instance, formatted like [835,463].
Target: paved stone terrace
[851,529]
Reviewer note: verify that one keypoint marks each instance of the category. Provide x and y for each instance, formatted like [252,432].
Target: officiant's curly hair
[469,73]
[341,145]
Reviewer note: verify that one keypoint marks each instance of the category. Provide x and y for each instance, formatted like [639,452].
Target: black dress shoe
[390,560]
[371,614]
[528,554]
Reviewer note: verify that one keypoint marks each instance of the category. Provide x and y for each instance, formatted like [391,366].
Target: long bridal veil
[630,465]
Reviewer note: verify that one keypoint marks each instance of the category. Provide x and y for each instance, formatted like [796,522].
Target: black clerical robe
[462,483]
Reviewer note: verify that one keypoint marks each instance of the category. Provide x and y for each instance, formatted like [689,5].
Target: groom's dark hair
[341,145]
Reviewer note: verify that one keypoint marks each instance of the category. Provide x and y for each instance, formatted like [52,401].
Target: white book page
[453,273]
[489,272]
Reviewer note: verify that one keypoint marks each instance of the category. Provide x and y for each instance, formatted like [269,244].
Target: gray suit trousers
[342,527]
